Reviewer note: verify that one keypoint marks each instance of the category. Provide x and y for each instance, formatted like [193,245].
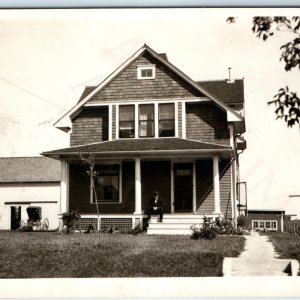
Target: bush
[207,231]
[225,226]
[243,221]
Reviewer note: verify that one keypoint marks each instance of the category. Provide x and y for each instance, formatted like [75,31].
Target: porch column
[138,189]
[217,208]
[64,187]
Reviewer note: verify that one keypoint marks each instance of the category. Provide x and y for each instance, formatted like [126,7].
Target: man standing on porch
[154,206]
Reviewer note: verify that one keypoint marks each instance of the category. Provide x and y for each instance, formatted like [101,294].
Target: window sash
[126,121]
[166,123]
[146,120]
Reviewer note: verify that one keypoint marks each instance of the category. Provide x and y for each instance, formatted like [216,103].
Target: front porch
[193,178]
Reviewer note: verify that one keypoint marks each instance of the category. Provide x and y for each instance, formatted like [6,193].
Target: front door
[183,187]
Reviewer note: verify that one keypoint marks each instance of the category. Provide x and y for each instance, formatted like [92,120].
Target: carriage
[34,221]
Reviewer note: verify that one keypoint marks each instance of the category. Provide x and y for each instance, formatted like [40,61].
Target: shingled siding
[126,86]
[90,126]
[206,122]
[79,192]
[205,190]
[156,176]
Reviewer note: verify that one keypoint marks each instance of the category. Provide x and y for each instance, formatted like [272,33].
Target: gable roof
[150,146]
[229,92]
[29,169]
[63,124]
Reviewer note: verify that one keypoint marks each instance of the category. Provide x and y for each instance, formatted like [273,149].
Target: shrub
[225,226]
[243,221]
[207,231]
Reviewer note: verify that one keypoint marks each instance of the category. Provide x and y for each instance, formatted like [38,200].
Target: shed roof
[29,169]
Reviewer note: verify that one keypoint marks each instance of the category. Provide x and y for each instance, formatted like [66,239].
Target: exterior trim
[27,202]
[110,122]
[216,180]
[183,111]
[194,188]
[64,187]
[172,187]
[176,118]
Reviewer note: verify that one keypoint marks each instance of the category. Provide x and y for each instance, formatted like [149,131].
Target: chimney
[163,56]
[229,76]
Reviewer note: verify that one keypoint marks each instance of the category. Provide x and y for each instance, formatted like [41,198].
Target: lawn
[49,254]
[286,244]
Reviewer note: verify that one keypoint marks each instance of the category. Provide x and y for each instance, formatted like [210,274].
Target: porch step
[174,224]
[169,231]
[181,219]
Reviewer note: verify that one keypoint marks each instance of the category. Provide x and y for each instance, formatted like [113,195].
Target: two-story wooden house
[152,128]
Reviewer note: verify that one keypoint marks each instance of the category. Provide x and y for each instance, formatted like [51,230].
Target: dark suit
[154,208]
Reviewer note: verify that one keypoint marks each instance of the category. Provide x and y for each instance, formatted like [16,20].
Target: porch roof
[143,147]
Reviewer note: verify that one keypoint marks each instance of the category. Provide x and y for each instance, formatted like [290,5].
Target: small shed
[25,182]
[266,219]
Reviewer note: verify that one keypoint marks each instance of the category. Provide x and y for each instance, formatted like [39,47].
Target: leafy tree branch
[287,103]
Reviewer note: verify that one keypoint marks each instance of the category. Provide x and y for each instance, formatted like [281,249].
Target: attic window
[146,72]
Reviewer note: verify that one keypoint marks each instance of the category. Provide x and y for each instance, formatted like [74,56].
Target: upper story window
[107,183]
[146,120]
[166,123]
[126,121]
[146,72]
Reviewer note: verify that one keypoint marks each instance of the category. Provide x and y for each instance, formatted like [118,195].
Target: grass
[286,244]
[49,255]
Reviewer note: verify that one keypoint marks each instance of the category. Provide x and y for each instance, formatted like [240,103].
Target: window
[264,225]
[126,121]
[166,123]
[146,72]
[146,120]
[107,183]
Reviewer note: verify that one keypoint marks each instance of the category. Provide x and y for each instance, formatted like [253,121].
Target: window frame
[273,225]
[150,120]
[120,178]
[127,121]
[159,119]
[143,68]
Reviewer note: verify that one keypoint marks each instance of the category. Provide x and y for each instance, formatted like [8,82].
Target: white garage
[28,181]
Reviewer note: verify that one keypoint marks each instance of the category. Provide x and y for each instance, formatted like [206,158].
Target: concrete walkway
[259,259]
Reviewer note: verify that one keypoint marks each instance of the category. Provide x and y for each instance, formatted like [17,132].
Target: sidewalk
[259,259]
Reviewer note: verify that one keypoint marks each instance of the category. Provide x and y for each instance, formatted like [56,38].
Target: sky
[49,56]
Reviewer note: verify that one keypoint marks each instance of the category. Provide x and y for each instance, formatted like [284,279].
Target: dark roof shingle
[29,169]
[227,92]
[139,145]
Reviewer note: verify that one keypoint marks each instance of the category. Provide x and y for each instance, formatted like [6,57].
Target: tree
[286,102]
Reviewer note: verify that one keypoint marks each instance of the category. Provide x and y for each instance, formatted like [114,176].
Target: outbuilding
[28,181]
[266,219]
